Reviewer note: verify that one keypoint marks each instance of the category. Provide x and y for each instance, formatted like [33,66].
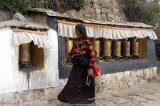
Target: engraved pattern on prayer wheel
[68,45]
[96,46]
[106,48]
[117,48]
[24,55]
[126,48]
[135,48]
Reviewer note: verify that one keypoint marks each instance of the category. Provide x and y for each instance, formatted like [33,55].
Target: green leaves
[23,5]
[76,4]
[19,5]
[52,4]
[63,5]
[143,11]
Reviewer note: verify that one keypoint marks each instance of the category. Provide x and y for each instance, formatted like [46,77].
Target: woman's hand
[90,72]
[64,60]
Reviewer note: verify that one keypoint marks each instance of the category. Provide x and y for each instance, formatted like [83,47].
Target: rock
[97,11]
[32,95]
[87,15]
[110,16]
[133,74]
[72,13]
[87,2]
[94,16]
[140,73]
[51,93]
[116,11]
[88,10]
[95,6]
[103,1]
[108,5]
[104,16]
[109,11]
[99,17]
[79,15]
[104,10]
[143,81]
[95,1]
[122,85]
[130,84]
[36,103]
[10,98]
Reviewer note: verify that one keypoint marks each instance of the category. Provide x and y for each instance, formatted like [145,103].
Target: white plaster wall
[49,76]
[11,79]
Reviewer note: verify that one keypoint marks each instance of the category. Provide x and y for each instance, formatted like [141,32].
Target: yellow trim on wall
[29,31]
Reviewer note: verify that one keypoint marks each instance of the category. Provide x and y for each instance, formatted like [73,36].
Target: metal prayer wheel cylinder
[117,48]
[68,45]
[24,55]
[135,48]
[96,46]
[126,48]
[106,48]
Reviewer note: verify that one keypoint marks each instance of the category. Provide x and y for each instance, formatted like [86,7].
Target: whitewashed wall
[12,79]
[49,76]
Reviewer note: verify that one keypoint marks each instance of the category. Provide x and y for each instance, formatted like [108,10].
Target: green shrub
[19,5]
[23,5]
[142,11]
[52,5]
[75,4]
[65,4]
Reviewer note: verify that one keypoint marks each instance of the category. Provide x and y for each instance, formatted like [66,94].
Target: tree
[23,5]
[147,11]
[19,5]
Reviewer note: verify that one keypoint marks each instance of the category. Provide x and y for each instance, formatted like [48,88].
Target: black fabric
[76,91]
[82,60]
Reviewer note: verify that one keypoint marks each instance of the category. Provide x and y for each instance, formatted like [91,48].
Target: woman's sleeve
[72,51]
[91,54]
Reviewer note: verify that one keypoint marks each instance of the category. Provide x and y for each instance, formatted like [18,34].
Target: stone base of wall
[47,97]
[127,79]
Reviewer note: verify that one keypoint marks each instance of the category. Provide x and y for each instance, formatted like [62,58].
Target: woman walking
[80,87]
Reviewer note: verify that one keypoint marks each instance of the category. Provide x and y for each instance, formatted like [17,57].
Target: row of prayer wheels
[111,48]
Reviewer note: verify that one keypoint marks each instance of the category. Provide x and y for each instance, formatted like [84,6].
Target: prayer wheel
[24,53]
[117,48]
[126,48]
[135,48]
[68,45]
[106,48]
[96,46]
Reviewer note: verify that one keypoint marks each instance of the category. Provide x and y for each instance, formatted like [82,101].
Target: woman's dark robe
[76,91]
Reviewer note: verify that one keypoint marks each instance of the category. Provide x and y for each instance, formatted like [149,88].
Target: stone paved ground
[143,94]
